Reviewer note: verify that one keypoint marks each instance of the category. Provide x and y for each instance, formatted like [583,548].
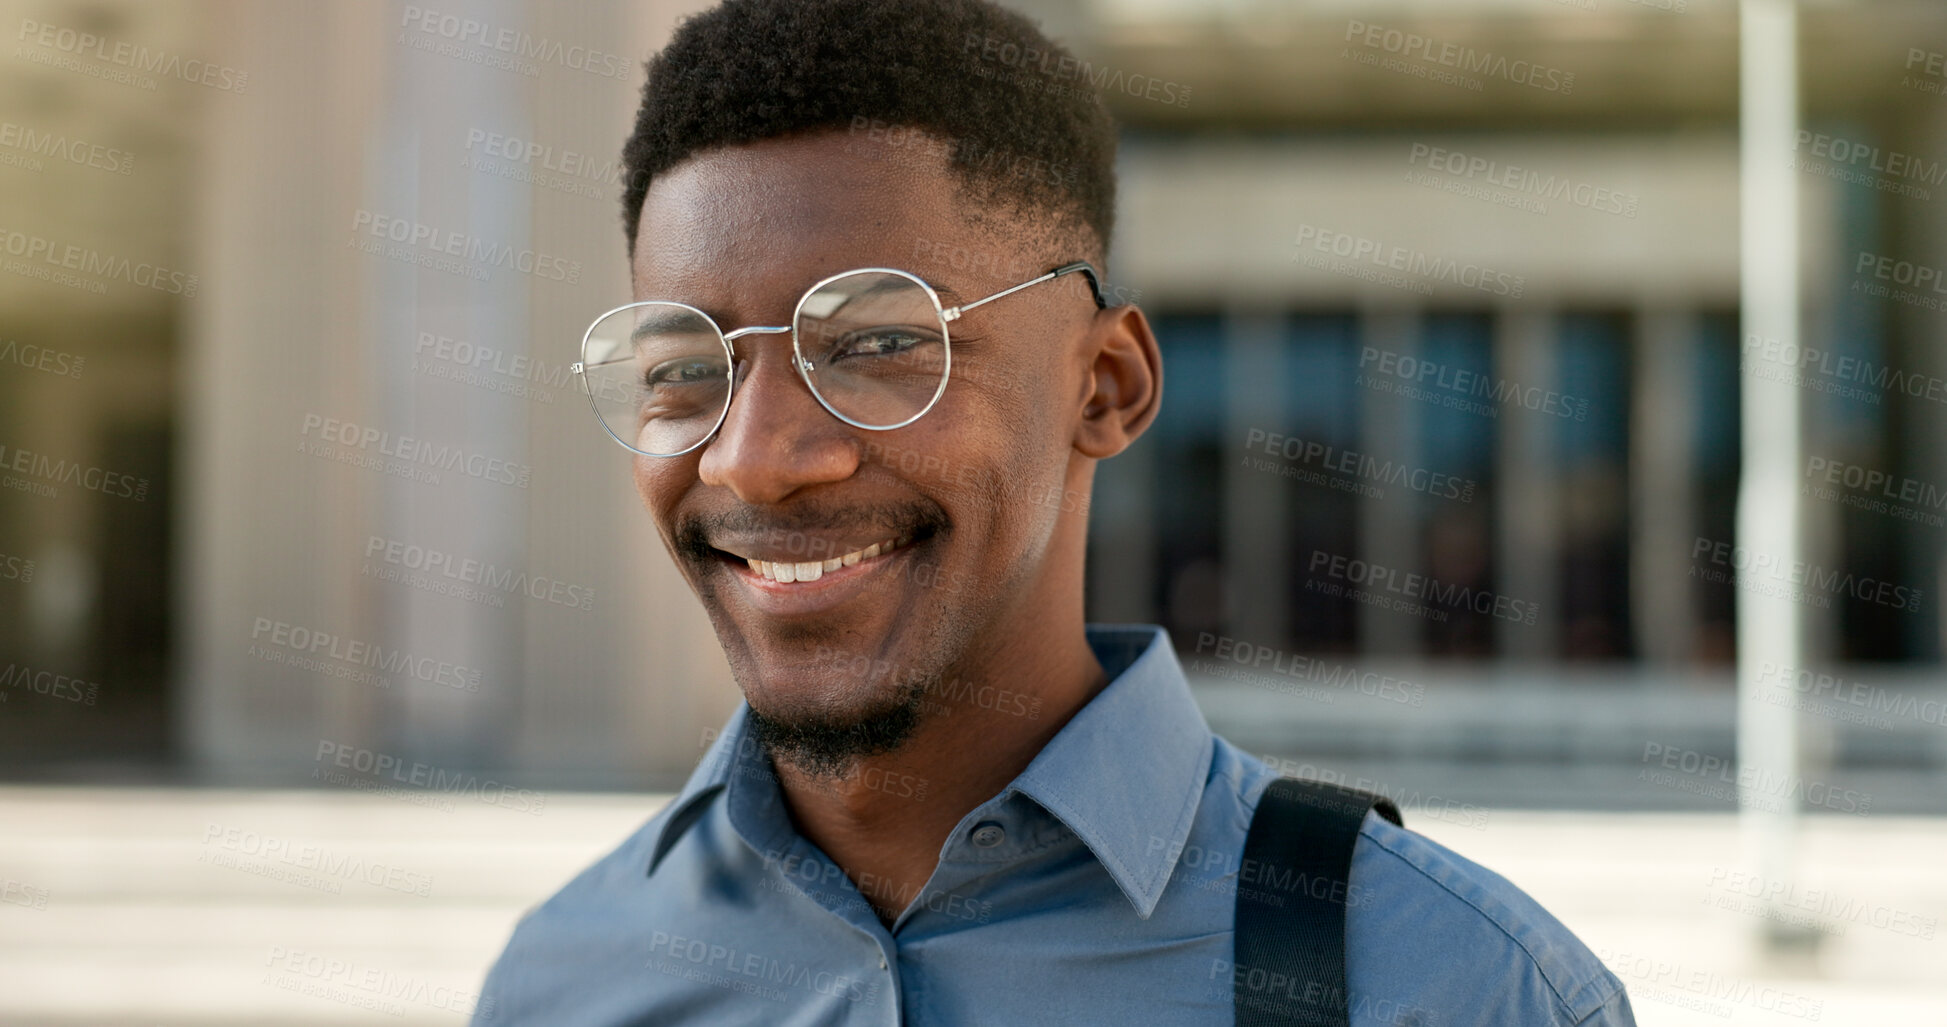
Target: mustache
[695,530]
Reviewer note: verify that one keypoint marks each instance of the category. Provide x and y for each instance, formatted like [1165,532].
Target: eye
[683,372]
[890,340]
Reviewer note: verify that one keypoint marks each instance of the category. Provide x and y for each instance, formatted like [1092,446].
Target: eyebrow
[946,294]
[663,320]
[660,320]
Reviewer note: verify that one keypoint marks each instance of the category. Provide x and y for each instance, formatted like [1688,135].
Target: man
[945,800]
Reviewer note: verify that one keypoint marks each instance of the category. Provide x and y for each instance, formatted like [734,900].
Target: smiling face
[845,569]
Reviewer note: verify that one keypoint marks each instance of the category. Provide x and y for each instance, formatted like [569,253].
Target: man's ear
[1122,388]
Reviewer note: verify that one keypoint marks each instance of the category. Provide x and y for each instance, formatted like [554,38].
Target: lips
[789,572]
[855,587]
[808,561]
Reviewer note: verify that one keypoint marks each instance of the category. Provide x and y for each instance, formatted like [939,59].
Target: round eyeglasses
[871,344]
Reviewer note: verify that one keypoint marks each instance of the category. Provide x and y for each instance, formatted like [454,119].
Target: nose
[776,438]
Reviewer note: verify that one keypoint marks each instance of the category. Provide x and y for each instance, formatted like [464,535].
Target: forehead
[751,226]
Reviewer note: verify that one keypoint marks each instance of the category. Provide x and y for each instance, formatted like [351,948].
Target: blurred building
[1448,298]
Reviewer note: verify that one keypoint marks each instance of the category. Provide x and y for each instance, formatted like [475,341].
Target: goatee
[831,747]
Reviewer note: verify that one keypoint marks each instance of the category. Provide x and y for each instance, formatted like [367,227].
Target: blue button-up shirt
[1097,888]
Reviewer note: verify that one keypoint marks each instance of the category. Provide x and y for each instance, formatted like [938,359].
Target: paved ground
[216,908]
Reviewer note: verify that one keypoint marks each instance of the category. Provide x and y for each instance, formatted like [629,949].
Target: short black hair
[1018,123]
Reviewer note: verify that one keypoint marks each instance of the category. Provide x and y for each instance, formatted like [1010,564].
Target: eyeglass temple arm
[1087,269]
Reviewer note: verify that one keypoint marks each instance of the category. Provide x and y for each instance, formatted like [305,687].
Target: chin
[827,738]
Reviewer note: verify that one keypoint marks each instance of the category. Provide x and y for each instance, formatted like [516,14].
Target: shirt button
[882,961]
[988,834]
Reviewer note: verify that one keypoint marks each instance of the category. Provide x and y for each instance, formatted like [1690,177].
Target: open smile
[812,570]
[804,587]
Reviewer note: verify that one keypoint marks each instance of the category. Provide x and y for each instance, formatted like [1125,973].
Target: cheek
[645,482]
[1018,409]
[1022,462]
[1037,436]
[660,484]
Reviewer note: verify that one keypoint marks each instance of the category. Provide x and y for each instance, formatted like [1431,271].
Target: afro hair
[1012,113]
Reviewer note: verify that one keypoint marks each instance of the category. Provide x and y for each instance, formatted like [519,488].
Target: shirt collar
[711,775]
[1125,773]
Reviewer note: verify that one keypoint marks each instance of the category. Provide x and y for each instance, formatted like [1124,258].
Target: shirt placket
[756,808]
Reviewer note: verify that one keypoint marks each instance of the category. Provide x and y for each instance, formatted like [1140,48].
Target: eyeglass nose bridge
[801,363]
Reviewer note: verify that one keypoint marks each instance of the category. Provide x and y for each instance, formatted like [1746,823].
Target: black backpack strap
[1288,964]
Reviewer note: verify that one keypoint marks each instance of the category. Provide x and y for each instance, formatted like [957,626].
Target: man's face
[741,233]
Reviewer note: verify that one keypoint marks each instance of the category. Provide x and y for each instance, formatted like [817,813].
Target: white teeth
[812,570]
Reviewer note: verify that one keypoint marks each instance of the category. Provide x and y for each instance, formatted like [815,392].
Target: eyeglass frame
[804,367]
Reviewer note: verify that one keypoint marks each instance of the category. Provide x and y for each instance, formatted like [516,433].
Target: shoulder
[1430,912]
[1435,938]
[579,935]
